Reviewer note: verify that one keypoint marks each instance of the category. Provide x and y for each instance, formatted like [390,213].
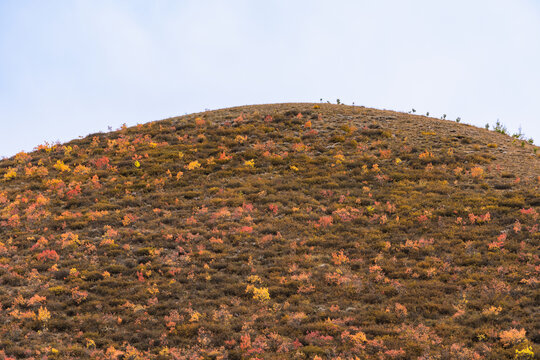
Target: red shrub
[102,163]
[48,255]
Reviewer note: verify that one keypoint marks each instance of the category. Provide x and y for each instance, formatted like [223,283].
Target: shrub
[193,165]
[11,173]
[48,255]
[60,166]
[512,337]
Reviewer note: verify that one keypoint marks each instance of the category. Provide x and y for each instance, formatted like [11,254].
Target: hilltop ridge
[300,230]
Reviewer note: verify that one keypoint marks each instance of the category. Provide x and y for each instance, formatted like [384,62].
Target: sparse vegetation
[500,128]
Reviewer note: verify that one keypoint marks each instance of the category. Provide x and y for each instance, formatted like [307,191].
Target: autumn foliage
[272,232]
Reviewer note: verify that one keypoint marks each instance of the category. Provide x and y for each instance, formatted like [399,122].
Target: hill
[306,231]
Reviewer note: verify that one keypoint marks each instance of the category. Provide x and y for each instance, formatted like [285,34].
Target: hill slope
[273,231]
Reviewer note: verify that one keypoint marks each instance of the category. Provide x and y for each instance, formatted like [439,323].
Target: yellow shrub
[240,139]
[260,294]
[526,353]
[67,150]
[10,174]
[60,166]
[254,279]
[43,314]
[90,343]
[339,158]
[194,165]
[81,169]
[359,338]
[492,310]
[195,316]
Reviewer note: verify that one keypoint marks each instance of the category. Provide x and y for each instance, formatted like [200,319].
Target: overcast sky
[70,68]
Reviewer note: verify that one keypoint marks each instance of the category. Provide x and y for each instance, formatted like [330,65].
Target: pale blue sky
[69,68]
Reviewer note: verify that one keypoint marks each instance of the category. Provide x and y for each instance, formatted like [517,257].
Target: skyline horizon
[74,68]
[118,126]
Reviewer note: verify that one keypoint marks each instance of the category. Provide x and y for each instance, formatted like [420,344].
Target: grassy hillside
[269,232]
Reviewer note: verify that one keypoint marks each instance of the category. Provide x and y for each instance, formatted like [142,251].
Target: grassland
[302,231]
